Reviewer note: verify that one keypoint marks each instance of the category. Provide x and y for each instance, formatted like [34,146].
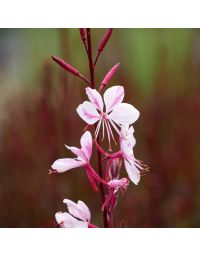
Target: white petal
[95,98]
[130,141]
[127,140]
[127,147]
[78,152]
[133,172]
[67,221]
[86,144]
[85,210]
[113,97]
[124,114]
[131,130]
[65,164]
[76,210]
[126,130]
[61,217]
[88,112]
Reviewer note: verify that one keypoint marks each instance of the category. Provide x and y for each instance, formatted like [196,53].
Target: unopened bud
[109,75]
[65,65]
[105,40]
[83,34]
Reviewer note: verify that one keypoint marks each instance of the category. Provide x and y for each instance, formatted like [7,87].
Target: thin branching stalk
[92,85]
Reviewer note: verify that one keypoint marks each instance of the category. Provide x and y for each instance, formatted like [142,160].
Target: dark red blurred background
[160,70]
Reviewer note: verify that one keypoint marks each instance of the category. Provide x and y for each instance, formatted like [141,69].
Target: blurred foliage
[160,72]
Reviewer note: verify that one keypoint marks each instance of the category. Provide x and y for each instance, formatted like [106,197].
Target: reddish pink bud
[91,225]
[109,75]
[105,39]
[83,34]
[65,65]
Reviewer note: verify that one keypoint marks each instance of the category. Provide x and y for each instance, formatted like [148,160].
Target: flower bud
[83,34]
[65,65]
[105,40]
[109,75]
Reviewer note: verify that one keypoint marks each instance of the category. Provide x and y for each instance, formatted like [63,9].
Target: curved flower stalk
[79,216]
[115,112]
[82,160]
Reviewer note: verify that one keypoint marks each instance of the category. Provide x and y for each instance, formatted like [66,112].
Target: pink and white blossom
[79,215]
[133,166]
[114,186]
[118,184]
[82,159]
[108,111]
[83,155]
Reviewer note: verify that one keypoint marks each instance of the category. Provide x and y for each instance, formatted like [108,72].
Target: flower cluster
[109,115]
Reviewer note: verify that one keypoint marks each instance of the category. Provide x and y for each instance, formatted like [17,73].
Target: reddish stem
[92,84]
[100,148]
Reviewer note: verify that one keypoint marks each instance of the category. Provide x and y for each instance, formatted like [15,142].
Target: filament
[108,132]
[97,129]
[111,133]
[103,129]
[114,126]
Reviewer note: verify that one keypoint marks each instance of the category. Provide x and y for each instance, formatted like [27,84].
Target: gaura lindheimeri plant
[116,118]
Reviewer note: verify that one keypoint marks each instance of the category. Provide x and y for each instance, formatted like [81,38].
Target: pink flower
[83,155]
[115,112]
[79,215]
[82,159]
[133,166]
[118,184]
[114,186]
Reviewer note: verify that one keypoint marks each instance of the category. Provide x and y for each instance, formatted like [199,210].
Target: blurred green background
[160,70]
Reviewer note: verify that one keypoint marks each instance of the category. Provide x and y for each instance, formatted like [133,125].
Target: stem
[83,78]
[97,56]
[91,66]
[111,218]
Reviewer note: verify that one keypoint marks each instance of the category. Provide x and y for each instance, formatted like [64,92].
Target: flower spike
[108,115]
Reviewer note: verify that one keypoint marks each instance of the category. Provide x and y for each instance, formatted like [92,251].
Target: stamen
[111,133]
[138,166]
[141,166]
[50,171]
[114,126]
[103,129]
[97,129]
[108,133]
